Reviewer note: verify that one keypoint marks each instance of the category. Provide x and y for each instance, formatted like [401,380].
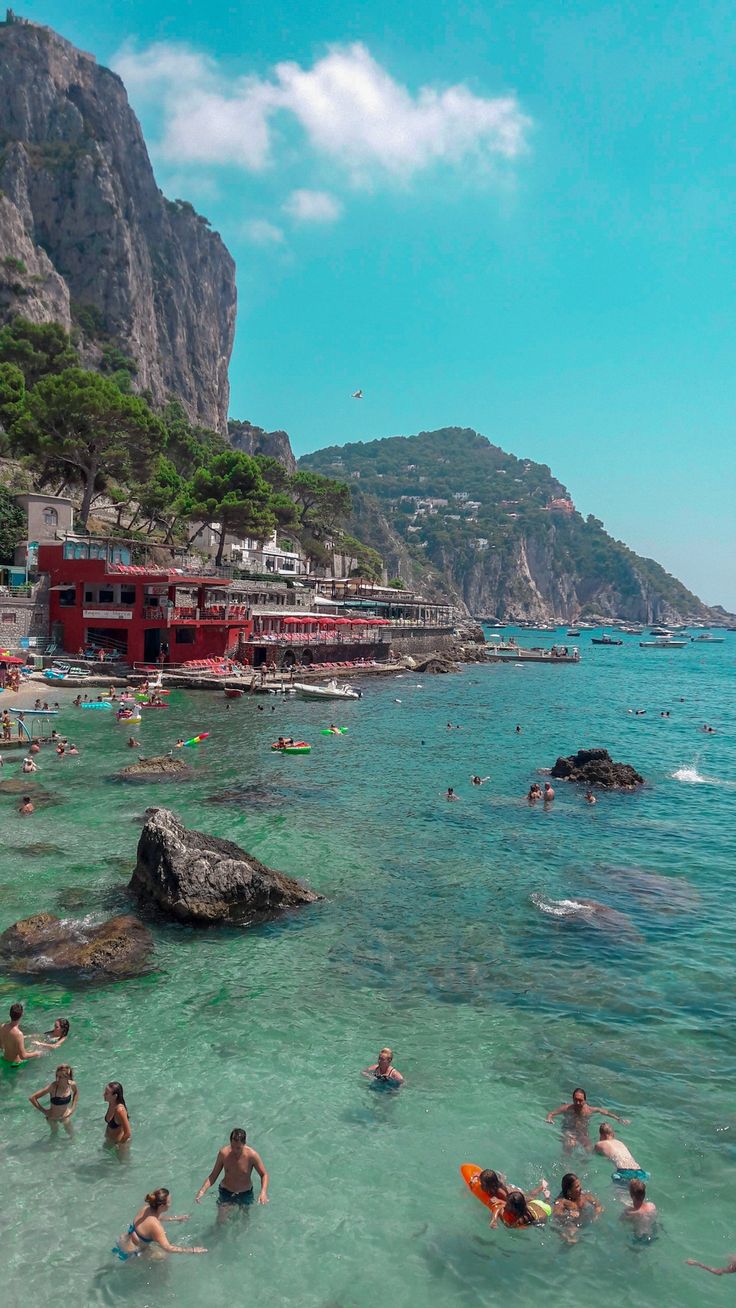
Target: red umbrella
[10,658]
[341,622]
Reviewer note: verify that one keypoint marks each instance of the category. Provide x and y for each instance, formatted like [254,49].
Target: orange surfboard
[470,1173]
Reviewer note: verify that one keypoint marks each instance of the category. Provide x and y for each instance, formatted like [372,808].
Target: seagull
[357,395]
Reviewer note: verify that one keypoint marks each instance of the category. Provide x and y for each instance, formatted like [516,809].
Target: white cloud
[262,232]
[313,207]
[351,110]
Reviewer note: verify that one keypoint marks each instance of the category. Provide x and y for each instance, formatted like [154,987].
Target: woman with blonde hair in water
[63,1096]
[383,1072]
[147,1228]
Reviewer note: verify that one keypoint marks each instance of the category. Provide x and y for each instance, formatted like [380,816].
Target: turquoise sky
[512,216]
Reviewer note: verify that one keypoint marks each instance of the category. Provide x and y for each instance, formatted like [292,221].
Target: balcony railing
[185,613]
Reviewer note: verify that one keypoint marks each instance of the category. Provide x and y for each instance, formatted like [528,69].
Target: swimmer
[534,792]
[55,1037]
[35,748]
[77,701]
[574,1206]
[37,704]
[146,1228]
[383,1071]
[479,781]
[12,1040]
[496,1188]
[73,749]
[117,1122]
[549,793]
[179,743]
[590,797]
[709,731]
[133,743]
[616,1151]
[61,749]
[63,1094]
[334,731]
[450,793]
[576,1116]
[516,1211]
[29,765]
[237,1161]
[640,713]
[518,731]
[717,1271]
[641,1211]
[26,807]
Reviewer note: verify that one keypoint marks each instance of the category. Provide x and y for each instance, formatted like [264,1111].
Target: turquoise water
[438,936]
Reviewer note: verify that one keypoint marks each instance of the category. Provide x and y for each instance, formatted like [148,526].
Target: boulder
[434,663]
[44,944]
[162,768]
[595,767]
[198,878]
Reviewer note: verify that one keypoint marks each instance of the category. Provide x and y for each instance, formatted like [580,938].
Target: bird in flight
[357,395]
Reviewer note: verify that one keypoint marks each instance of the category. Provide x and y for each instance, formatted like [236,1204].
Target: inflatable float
[299,747]
[153,706]
[97,704]
[127,717]
[470,1173]
[193,741]
[327,731]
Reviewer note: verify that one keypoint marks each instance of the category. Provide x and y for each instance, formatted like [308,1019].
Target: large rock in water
[163,767]
[595,767]
[198,878]
[44,944]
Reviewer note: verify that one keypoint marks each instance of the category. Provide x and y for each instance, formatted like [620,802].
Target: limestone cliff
[87,238]
[255,440]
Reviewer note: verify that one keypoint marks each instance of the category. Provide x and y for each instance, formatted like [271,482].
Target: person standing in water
[12,1040]
[146,1228]
[26,806]
[63,1096]
[117,1122]
[574,1206]
[577,1115]
[641,1212]
[238,1162]
[383,1071]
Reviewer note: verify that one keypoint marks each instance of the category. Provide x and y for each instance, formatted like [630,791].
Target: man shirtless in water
[577,1115]
[12,1040]
[238,1161]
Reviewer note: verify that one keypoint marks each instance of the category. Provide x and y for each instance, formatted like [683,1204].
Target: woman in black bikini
[63,1096]
[383,1072]
[117,1122]
[146,1228]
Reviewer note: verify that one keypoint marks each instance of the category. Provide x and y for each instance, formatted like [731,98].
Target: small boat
[664,642]
[232,692]
[331,690]
[35,713]
[573,632]
[633,631]
[605,639]
[707,639]
[659,631]
[299,747]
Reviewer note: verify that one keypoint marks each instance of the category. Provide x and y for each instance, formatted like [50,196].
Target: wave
[689,775]
[561,907]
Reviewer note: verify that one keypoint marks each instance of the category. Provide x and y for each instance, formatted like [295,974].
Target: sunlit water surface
[440,934]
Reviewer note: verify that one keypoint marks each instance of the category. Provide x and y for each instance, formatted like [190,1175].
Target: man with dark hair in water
[12,1040]
[237,1160]
[577,1116]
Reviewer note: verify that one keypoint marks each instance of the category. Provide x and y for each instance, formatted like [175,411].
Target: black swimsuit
[59,1101]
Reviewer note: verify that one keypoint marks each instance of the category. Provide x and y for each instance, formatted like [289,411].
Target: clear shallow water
[439,935]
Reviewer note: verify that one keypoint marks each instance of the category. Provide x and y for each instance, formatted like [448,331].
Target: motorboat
[663,642]
[605,639]
[330,690]
[707,639]
[659,631]
[633,631]
[573,631]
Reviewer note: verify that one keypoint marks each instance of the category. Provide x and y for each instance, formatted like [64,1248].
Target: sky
[518,217]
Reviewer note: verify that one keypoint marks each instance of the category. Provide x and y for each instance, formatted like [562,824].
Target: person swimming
[383,1072]
[534,792]
[576,1119]
[590,797]
[479,781]
[641,1212]
[146,1228]
[616,1151]
[63,1096]
[450,793]
[574,1206]
[517,1211]
[117,1122]
[55,1037]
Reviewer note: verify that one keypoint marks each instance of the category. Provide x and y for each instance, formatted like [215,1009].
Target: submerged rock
[588,912]
[202,879]
[595,767]
[163,767]
[45,944]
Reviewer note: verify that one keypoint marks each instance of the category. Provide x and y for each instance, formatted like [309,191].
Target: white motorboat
[330,690]
[663,642]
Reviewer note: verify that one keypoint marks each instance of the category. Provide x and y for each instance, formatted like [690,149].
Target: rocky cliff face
[87,238]
[254,440]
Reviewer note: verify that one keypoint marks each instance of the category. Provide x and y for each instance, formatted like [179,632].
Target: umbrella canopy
[341,622]
[10,658]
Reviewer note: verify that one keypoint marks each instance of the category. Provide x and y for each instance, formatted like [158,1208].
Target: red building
[98,598]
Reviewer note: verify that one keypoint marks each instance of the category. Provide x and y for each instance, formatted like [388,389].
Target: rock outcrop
[163,767]
[202,879]
[44,945]
[255,440]
[88,240]
[595,767]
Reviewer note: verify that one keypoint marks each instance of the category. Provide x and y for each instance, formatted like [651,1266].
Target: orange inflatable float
[470,1173]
